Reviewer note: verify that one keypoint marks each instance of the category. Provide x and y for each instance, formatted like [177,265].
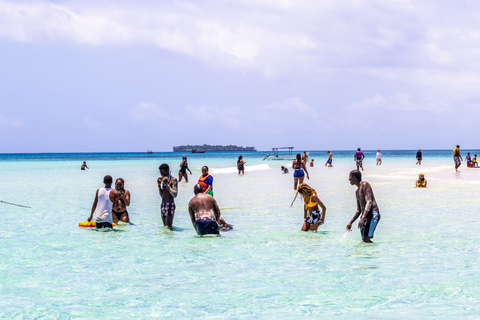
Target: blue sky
[88,76]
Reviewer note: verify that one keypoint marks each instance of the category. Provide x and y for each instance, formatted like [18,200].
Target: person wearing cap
[421,182]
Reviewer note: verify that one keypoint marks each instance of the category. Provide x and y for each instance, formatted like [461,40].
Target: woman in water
[311,212]
[183,170]
[300,169]
[421,182]
[241,165]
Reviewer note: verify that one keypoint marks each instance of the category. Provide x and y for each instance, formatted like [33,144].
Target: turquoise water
[424,262]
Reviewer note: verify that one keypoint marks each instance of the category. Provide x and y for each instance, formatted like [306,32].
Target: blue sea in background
[424,263]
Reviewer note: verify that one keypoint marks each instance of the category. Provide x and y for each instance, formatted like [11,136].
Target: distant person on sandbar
[241,165]
[84,165]
[468,158]
[205,213]
[311,213]
[206,181]
[419,157]
[284,170]
[300,168]
[329,161]
[305,156]
[367,208]
[102,205]
[311,163]
[358,157]
[457,157]
[168,190]
[421,182]
[183,170]
[379,158]
[474,161]
[119,211]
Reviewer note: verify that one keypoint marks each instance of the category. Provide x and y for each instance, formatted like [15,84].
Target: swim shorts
[314,217]
[329,161]
[206,225]
[457,160]
[241,167]
[299,173]
[101,225]
[359,162]
[371,222]
[167,209]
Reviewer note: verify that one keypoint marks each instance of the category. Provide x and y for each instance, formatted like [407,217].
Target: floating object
[13,204]
[91,224]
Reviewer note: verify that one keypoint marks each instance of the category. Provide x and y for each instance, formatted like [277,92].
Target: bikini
[314,216]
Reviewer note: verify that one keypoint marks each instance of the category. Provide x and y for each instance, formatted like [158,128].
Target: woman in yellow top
[421,182]
[312,215]
[475,164]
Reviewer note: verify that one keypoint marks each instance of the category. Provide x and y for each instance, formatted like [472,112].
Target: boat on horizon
[198,151]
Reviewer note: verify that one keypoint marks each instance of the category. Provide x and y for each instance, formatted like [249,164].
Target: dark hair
[164,166]
[121,179]
[299,156]
[205,167]
[358,149]
[356,174]
[458,146]
[107,179]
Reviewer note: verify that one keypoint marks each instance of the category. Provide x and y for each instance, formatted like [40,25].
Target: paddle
[13,204]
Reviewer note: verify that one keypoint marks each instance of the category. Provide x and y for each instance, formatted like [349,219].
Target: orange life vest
[201,181]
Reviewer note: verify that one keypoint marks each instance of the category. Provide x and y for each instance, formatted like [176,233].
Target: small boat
[149,152]
[282,157]
[198,151]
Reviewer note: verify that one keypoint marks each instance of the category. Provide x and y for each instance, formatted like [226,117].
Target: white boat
[280,156]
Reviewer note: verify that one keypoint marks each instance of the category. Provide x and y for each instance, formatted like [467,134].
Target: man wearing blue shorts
[367,208]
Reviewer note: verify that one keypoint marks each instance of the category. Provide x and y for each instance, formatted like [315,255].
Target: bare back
[365,198]
[203,205]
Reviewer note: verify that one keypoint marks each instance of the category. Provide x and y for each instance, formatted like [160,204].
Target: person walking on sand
[206,181]
[102,205]
[84,165]
[119,211]
[421,182]
[358,157]
[419,157]
[300,168]
[311,213]
[367,208]
[457,158]
[379,158]
[183,170]
[168,190]
[241,165]
[329,161]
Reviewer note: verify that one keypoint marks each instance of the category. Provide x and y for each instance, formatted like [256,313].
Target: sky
[131,76]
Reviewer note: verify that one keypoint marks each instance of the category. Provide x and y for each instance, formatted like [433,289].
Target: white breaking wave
[235,170]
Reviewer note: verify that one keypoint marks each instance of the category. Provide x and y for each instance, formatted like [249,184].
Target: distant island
[206,147]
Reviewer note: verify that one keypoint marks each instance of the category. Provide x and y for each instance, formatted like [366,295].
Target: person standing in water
[305,156]
[419,157]
[183,170]
[102,205]
[311,163]
[168,190]
[367,208]
[379,158]
[241,165]
[84,165]
[206,181]
[421,182]
[311,213]
[358,157]
[119,211]
[300,168]
[457,157]
[329,161]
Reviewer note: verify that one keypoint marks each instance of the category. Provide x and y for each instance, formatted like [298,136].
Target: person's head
[240,158]
[421,176]
[204,170]
[184,157]
[84,162]
[119,184]
[305,190]
[378,150]
[468,153]
[358,149]
[475,155]
[197,189]
[164,169]
[312,160]
[458,146]
[283,168]
[419,149]
[299,157]
[355,177]
[328,151]
[107,180]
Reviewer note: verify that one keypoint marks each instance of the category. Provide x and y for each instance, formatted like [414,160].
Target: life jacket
[201,181]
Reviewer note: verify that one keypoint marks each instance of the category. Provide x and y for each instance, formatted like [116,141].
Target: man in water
[367,207]
[329,161]
[419,157]
[305,157]
[379,158]
[204,212]
[119,210]
[84,165]
[457,157]
[168,189]
[358,157]
[206,181]
[102,205]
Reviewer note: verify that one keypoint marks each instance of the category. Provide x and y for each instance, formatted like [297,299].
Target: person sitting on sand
[311,212]
[168,190]
[102,205]
[284,170]
[119,211]
[84,165]
[205,213]
[311,163]
[183,170]
[421,182]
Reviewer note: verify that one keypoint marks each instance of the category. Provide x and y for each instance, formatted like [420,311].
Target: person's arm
[304,212]
[209,186]
[417,184]
[94,206]
[305,168]
[425,181]
[324,209]
[355,216]
[160,190]
[216,210]
[126,197]
[173,187]
[363,156]
[189,170]
[192,214]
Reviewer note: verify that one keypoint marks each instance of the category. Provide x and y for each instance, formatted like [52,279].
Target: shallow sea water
[424,262]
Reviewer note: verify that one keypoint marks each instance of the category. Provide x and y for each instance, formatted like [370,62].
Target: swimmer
[419,157]
[421,182]
[102,205]
[119,211]
[284,170]
[311,163]
[206,181]
[84,165]
[311,213]
[300,170]
[183,170]
[358,157]
[367,208]
[379,158]
[168,190]
[205,213]
[329,161]
[241,165]
[457,157]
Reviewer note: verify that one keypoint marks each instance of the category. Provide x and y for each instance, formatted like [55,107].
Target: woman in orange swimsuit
[313,217]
